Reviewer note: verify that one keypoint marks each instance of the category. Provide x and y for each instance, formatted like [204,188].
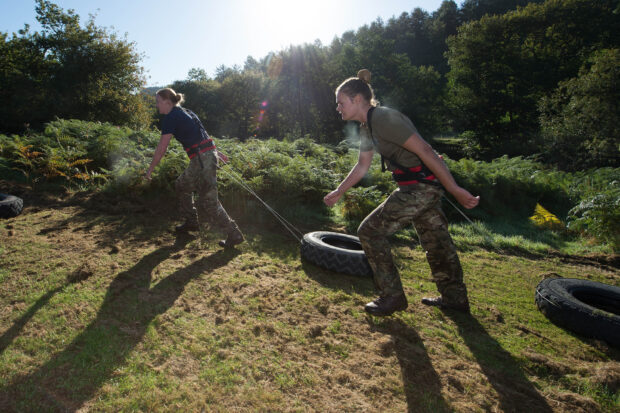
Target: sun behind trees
[445,69]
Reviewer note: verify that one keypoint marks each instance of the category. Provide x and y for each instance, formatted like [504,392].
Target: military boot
[439,302]
[387,305]
[188,225]
[233,238]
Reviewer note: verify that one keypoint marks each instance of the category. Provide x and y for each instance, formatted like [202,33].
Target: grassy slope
[104,309]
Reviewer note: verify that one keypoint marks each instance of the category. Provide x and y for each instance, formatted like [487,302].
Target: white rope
[457,208]
[297,234]
[475,226]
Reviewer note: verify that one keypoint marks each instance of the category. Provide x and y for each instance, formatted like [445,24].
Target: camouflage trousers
[421,206]
[200,178]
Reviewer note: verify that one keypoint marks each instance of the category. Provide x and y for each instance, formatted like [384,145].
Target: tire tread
[334,259]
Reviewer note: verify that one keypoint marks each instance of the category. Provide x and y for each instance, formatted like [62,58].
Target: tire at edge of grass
[589,308]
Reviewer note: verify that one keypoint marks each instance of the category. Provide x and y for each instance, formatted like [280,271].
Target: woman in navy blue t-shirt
[200,175]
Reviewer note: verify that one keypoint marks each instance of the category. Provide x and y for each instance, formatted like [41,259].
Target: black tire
[336,252]
[589,308]
[10,206]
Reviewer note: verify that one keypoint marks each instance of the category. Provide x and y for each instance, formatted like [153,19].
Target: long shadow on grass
[420,380]
[516,393]
[73,376]
[7,338]
[113,214]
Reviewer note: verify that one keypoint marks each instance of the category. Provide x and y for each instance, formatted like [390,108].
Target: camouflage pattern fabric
[421,206]
[202,180]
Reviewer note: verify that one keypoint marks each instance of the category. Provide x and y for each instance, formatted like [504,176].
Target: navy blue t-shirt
[182,126]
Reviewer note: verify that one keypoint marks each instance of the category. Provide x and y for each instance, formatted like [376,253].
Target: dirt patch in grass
[606,261]
[149,321]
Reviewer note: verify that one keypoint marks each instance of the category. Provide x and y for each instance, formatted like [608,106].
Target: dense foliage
[502,66]
[598,212]
[507,76]
[291,91]
[580,120]
[297,173]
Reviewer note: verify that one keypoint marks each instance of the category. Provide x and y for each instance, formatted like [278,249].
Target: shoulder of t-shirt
[382,116]
[169,121]
[178,111]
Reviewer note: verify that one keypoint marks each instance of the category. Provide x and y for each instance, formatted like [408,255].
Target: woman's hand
[331,198]
[222,157]
[355,175]
[465,198]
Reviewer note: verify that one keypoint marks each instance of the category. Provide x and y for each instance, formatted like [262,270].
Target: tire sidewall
[348,261]
[317,239]
[555,298]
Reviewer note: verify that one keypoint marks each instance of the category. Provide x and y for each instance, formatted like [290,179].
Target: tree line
[515,77]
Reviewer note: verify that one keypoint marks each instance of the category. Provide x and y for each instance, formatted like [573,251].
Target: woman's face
[164,106]
[346,106]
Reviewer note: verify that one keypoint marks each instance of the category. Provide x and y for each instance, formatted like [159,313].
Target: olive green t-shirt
[390,130]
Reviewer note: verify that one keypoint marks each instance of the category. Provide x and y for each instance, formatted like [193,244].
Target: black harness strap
[374,141]
[402,174]
[415,175]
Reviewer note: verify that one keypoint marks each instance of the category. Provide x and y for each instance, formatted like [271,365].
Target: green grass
[111,312]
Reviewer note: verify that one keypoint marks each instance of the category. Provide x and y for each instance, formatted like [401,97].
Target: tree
[501,66]
[410,35]
[476,9]
[69,71]
[418,91]
[23,93]
[301,98]
[240,95]
[197,75]
[443,24]
[580,119]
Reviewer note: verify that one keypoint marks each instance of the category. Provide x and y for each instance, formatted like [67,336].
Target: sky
[175,36]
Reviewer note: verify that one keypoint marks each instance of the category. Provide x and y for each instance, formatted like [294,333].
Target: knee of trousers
[365,232]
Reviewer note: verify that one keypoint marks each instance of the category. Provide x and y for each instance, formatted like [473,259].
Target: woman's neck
[364,114]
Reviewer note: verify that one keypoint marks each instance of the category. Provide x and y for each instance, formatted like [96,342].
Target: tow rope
[297,234]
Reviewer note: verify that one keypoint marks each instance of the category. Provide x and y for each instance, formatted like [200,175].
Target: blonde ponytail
[171,95]
[359,85]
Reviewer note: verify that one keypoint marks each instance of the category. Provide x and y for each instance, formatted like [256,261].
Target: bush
[83,154]
[284,173]
[598,212]
[512,186]
[293,176]
[358,203]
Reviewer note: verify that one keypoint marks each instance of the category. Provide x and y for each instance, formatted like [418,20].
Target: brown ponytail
[364,75]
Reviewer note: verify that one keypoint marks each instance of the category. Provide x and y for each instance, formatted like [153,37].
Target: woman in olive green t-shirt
[420,174]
